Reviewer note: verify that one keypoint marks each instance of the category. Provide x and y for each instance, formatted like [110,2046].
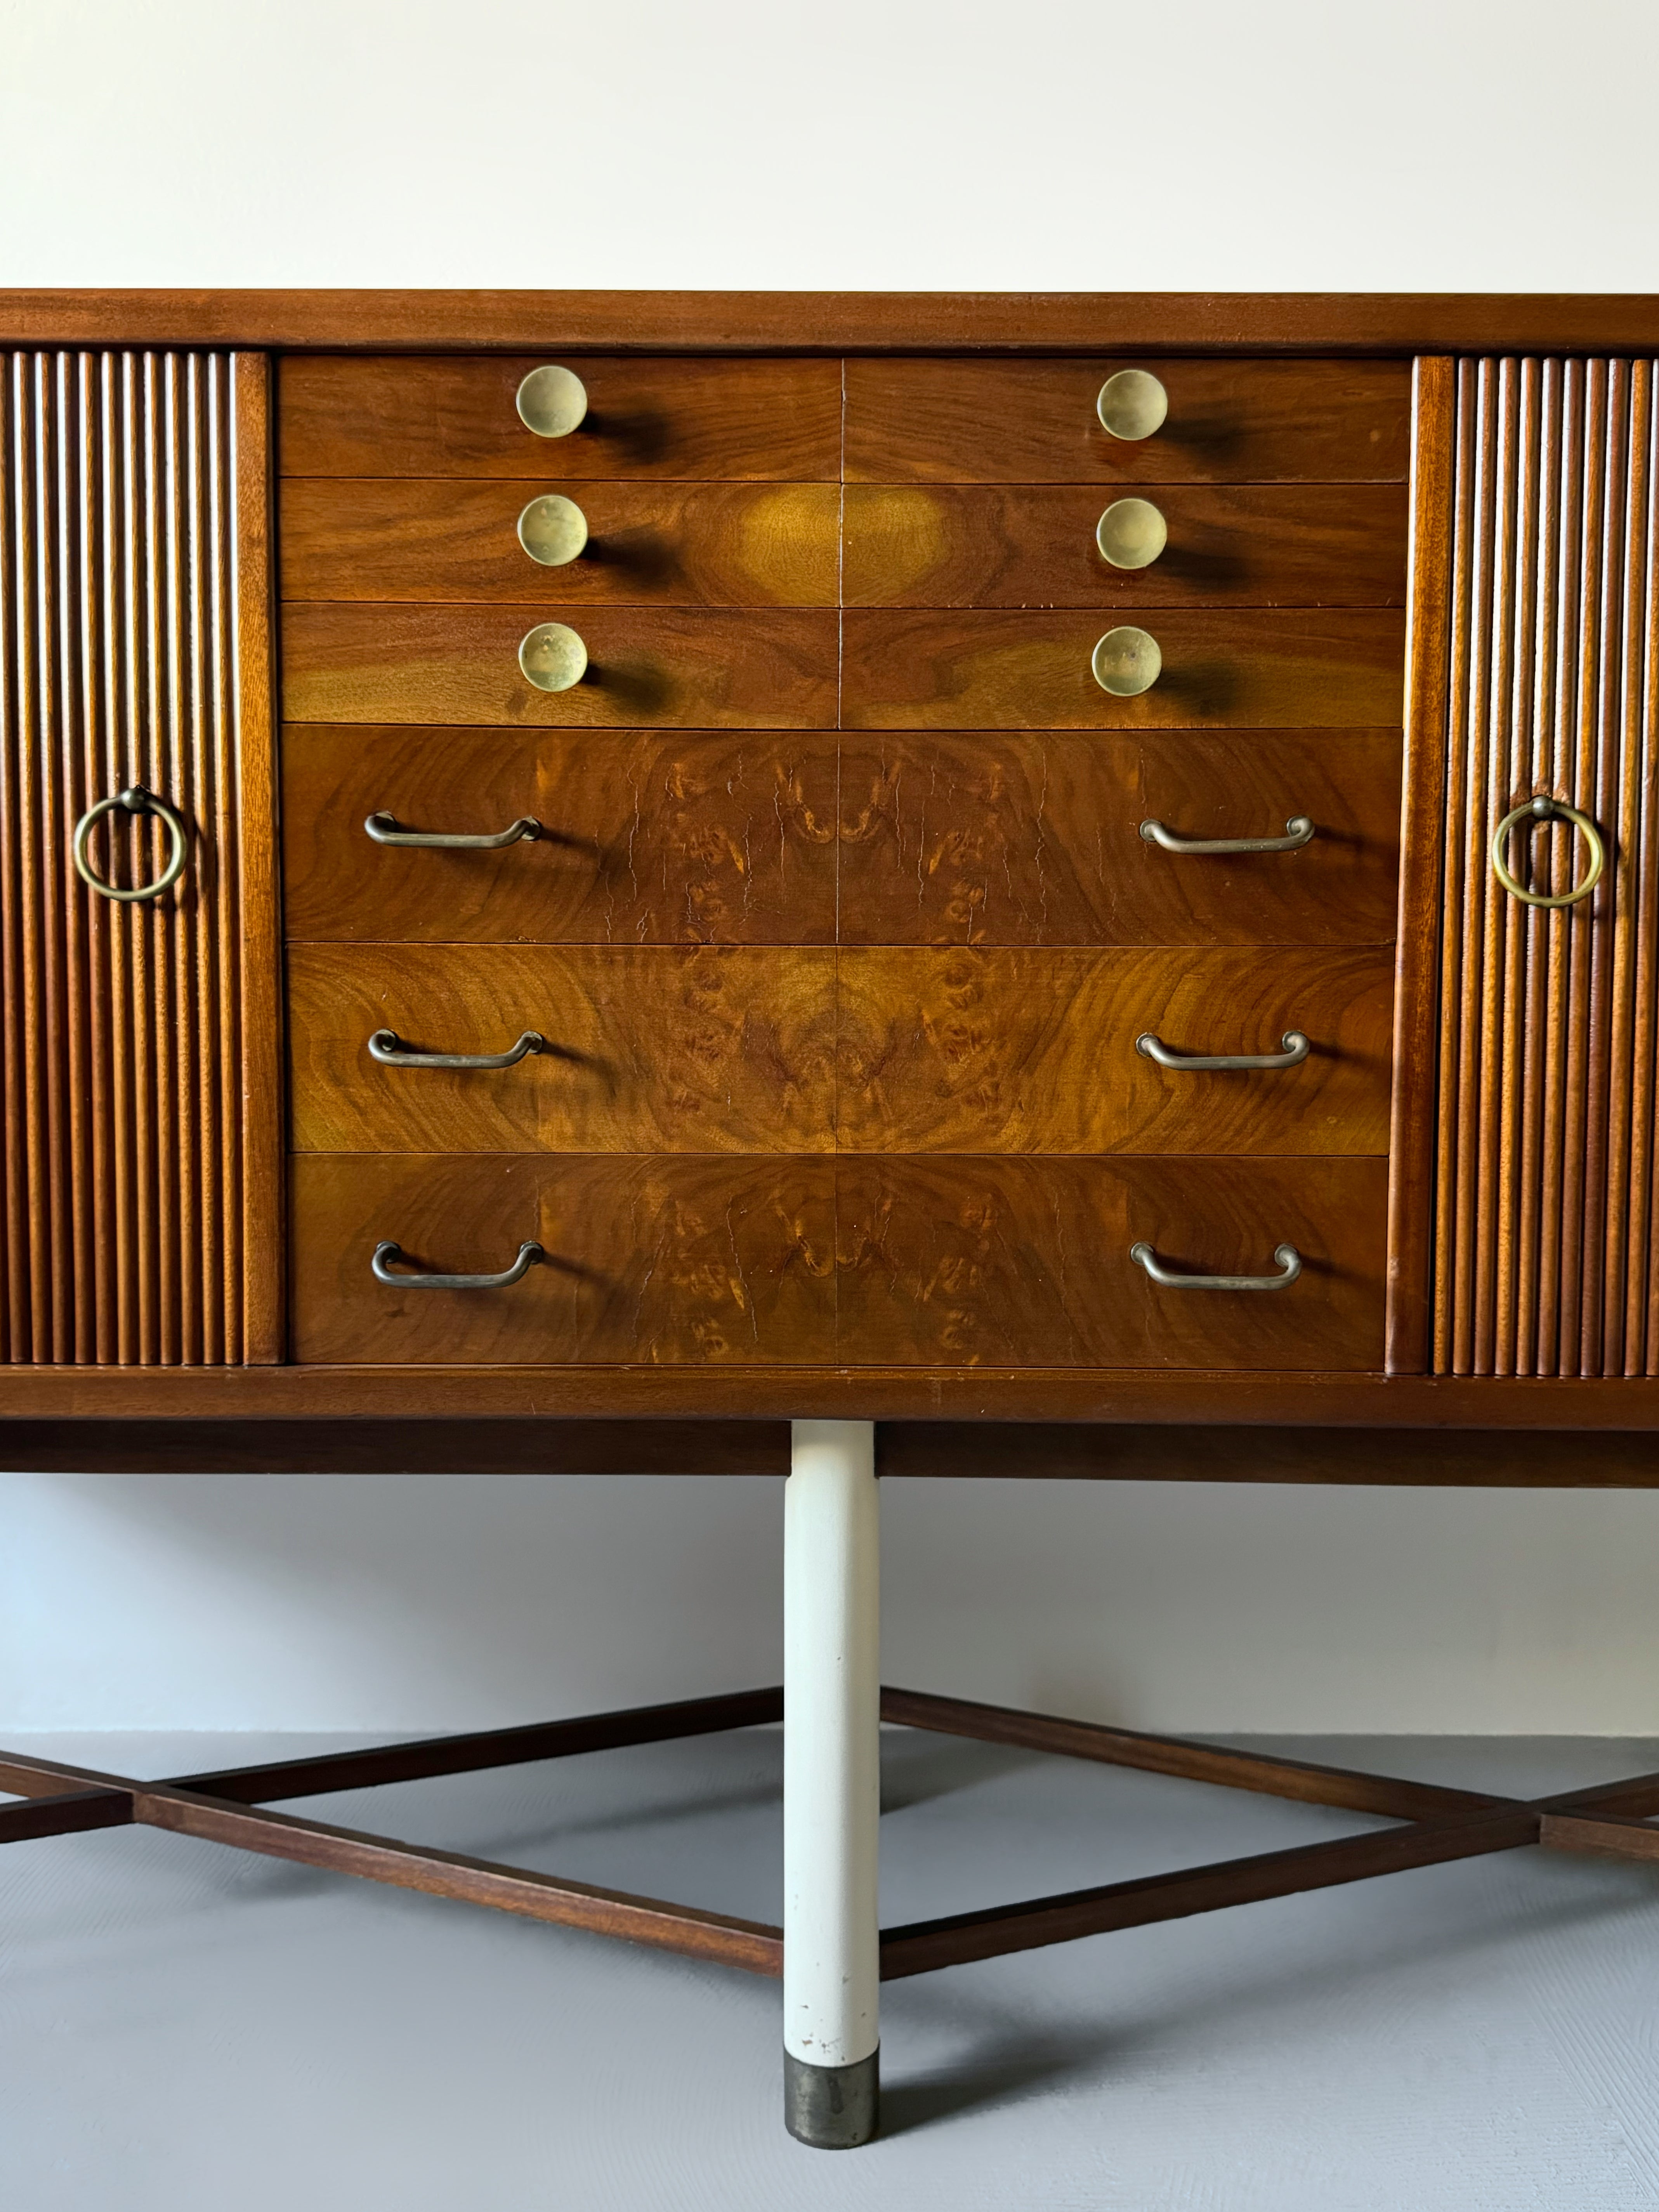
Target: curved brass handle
[1533,811]
[529,1254]
[1298,832]
[1296,1049]
[136,800]
[389,1049]
[386,830]
[1287,1258]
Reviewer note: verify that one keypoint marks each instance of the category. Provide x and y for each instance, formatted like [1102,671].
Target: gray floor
[184,2027]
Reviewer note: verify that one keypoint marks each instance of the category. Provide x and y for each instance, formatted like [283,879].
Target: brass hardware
[1126,662]
[1131,534]
[1131,404]
[385,830]
[1297,1050]
[136,800]
[1298,832]
[389,1049]
[1532,812]
[552,530]
[529,1254]
[552,401]
[1286,1256]
[552,657]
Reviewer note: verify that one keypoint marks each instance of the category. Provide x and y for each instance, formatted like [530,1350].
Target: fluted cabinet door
[140,1208]
[1524,1230]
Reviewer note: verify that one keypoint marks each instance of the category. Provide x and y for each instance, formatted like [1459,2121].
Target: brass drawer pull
[1298,832]
[1127,661]
[386,830]
[136,800]
[1297,1050]
[1532,812]
[552,401]
[552,657]
[389,1049]
[1286,1256]
[386,1254]
[553,530]
[1131,404]
[1131,534]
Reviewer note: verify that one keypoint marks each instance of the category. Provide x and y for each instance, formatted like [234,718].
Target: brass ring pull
[1298,832]
[389,1049]
[1286,1256]
[136,800]
[1532,811]
[529,1254]
[386,830]
[1296,1049]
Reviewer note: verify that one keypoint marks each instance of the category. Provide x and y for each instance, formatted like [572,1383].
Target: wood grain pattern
[689,668]
[659,1049]
[1271,667]
[1545,1254]
[1229,421]
[975,1050]
[455,416]
[140,1212]
[649,839]
[701,544]
[1013,1262]
[995,839]
[656,1260]
[1033,545]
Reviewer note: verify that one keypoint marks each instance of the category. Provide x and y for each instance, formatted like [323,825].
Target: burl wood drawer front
[1034,546]
[1034,839]
[456,416]
[1273,667]
[646,1260]
[651,1050]
[644,839]
[681,667]
[1229,422]
[1025,1263]
[703,544]
[1020,1051]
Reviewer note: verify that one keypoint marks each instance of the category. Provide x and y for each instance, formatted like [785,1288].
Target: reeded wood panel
[141,1208]
[1544,1253]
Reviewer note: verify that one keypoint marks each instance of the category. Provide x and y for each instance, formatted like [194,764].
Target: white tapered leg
[831,1783]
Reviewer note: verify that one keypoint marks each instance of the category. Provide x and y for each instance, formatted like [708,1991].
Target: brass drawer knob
[552,401]
[552,530]
[1127,662]
[552,657]
[1131,534]
[384,1254]
[1286,1258]
[1131,404]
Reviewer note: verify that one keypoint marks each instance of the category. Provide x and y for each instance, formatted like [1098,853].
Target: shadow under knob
[1131,404]
[552,657]
[553,530]
[1127,662]
[552,401]
[1131,534]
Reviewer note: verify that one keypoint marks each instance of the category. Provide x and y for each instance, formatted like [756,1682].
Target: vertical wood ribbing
[1545,1260]
[123,517]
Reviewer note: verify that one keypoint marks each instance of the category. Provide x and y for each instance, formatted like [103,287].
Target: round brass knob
[1131,534]
[1131,404]
[552,401]
[552,530]
[552,657]
[1126,662]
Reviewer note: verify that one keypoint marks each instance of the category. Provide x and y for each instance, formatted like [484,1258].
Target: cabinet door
[140,1204]
[1522,1232]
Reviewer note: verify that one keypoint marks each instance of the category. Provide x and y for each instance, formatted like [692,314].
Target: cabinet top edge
[1376,323]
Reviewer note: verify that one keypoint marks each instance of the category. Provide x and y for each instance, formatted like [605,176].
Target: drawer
[648,839]
[1229,422]
[1023,1051]
[1034,839]
[683,667]
[1034,546]
[646,1050]
[648,1260]
[648,544]
[1025,1263]
[456,415]
[1270,668]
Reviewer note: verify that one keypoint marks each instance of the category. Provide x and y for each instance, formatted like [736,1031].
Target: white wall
[1207,143]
